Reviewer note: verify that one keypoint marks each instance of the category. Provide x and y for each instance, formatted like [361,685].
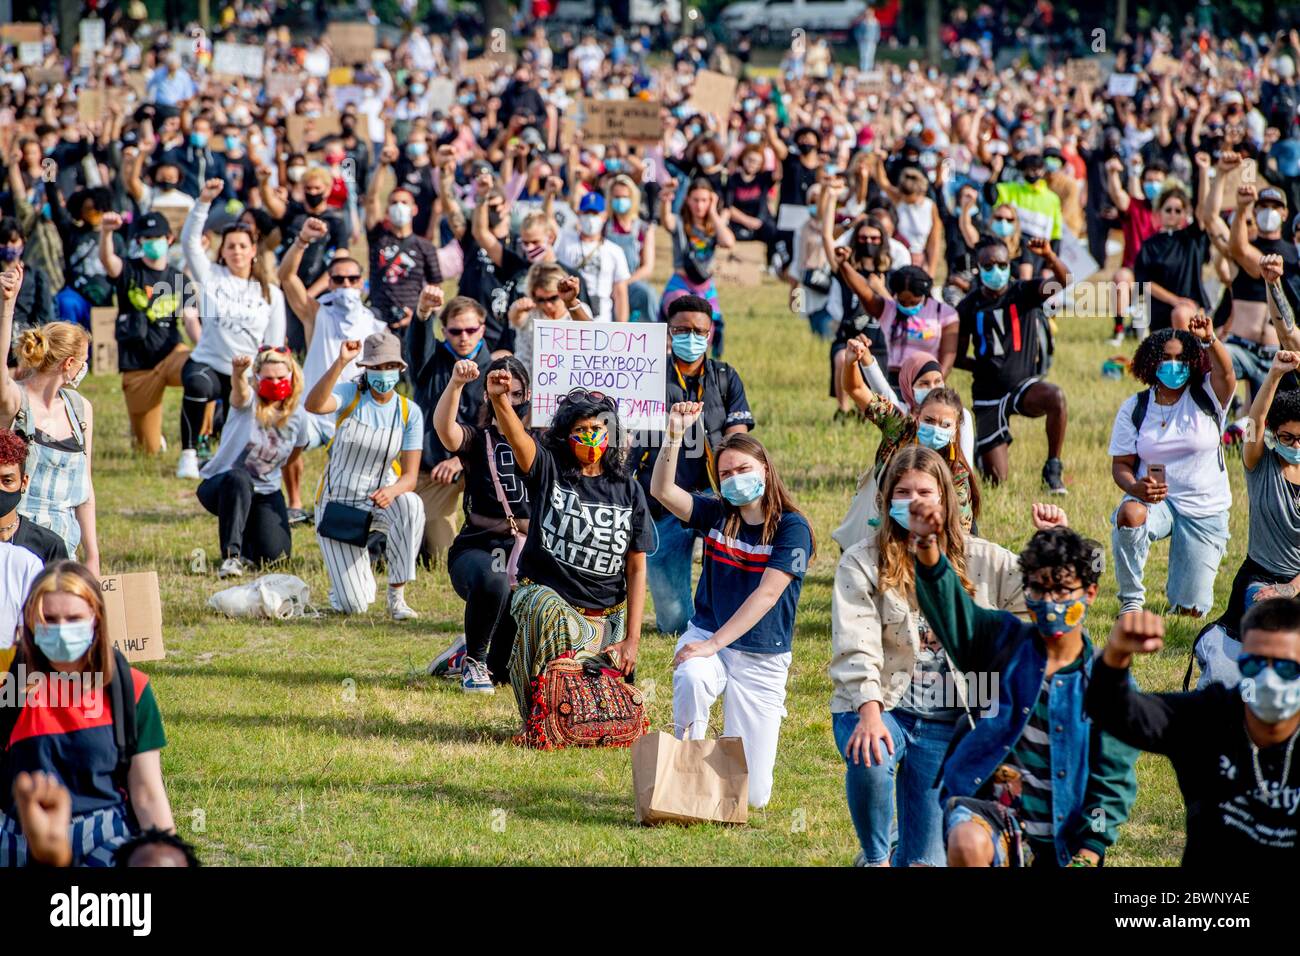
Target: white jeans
[755,689]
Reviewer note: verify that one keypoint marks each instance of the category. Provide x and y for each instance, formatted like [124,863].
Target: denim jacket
[1094,780]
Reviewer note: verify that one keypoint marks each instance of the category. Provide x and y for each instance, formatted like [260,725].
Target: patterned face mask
[588,444]
[1055,618]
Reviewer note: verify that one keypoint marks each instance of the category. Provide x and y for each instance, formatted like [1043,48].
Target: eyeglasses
[1034,593]
[281,349]
[686,330]
[1252,665]
[1173,210]
[1285,438]
[583,395]
[347,280]
[463,332]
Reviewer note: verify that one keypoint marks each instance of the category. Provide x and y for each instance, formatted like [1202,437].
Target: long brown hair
[895,569]
[72,578]
[776,500]
[257,265]
[943,395]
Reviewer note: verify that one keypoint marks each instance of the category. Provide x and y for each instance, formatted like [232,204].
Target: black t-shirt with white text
[581,532]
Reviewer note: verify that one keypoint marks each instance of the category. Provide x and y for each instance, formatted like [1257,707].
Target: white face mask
[80,376]
[589,224]
[296,173]
[1271,698]
[400,215]
[1268,220]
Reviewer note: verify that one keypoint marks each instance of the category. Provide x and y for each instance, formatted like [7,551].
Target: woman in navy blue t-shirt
[757,546]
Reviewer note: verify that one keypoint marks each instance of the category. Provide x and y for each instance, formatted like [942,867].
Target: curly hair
[13,450]
[556,438]
[1151,353]
[1062,552]
[1285,408]
[154,837]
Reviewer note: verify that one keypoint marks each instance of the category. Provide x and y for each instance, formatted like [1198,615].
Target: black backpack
[121,704]
[1202,399]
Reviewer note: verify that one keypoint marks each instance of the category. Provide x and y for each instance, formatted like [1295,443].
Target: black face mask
[522,408]
[314,199]
[9,501]
[867,249]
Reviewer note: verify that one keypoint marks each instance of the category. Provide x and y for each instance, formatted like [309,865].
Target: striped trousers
[352,583]
[95,837]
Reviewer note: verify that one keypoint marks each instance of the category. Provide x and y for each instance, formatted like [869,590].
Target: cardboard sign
[24,31]
[625,360]
[714,93]
[874,81]
[31,54]
[479,66]
[44,76]
[305,130]
[238,59]
[280,84]
[741,266]
[103,341]
[90,105]
[1162,64]
[635,120]
[440,94]
[1082,71]
[347,95]
[133,615]
[1122,84]
[1244,174]
[138,82]
[791,218]
[352,43]
[175,216]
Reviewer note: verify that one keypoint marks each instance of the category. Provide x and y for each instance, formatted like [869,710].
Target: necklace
[1160,410]
[7,531]
[1265,791]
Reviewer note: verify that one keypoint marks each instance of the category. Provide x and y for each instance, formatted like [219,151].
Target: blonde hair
[622,179]
[277,414]
[318,174]
[541,221]
[1012,241]
[544,275]
[895,570]
[68,577]
[50,345]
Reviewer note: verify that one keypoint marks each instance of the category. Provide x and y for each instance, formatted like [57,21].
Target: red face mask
[274,389]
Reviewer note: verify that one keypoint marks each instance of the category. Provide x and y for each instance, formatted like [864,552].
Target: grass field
[323,742]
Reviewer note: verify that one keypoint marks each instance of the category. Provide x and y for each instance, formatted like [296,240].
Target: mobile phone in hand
[1157,472]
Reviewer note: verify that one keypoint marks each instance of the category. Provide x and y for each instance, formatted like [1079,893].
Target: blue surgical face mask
[996,277]
[1055,618]
[933,437]
[232,143]
[613,165]
[199,140]
[1002,228]
[900,510]
[383,382]
[918,396]
[622,205]
[753,137]
[689,347]
[1289,455]
[743,488]
[1151,189]
[65,642]
[909,309]
[1173,373]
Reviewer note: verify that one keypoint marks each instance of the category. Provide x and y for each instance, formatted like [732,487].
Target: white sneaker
[1115,341]
[188,466]
[162,443]
[398,609]
[231,568]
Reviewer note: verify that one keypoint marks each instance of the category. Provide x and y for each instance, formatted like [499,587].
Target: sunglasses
[543,299]
[1252,665]
[281,349]
[348,279]
[583,395]
[463,332]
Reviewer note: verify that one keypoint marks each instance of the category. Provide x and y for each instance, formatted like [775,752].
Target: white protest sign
[1122,84]
[238,59]
[317,63]
[441,93]
[791,218]
[31,54]
[91,39]
[626,361]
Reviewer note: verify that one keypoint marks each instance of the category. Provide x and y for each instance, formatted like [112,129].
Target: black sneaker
[1052,477]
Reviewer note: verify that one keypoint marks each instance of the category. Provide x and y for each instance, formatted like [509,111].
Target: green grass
[323,742]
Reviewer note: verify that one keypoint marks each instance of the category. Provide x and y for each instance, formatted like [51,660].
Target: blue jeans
[642,302]
[1195,550]
[668,572]
[919,746]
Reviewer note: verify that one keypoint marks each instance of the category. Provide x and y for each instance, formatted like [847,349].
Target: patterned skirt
[549,626]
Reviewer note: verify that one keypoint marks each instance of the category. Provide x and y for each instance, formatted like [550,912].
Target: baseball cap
[151,226]
[592,202]
[1272,194]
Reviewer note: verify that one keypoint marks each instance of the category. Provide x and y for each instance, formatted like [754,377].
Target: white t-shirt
[600,262]
[1188,445]
[337,321]
[18,569]
[261,451]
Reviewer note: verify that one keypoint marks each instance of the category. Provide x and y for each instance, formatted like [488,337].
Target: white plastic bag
[861,518]
[275,596]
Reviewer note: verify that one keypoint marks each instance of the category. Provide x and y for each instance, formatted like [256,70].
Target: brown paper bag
[690,781]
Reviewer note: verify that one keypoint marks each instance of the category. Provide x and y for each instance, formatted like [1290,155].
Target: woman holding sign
[757,548]
[582,569]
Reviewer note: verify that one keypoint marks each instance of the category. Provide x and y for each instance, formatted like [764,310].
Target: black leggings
[479,577]
[200,384]
[249,524]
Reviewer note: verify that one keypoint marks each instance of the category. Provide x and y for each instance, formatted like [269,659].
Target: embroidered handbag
[583,703]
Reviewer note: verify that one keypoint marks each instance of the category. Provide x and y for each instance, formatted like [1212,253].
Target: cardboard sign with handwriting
[352,43]
[479,66]
[1244,173]
[175,216]
[1162,64]
[103,340]
[742,265]
[714,93]
[90,105]
[305,130]
[31,54]
[635,120]
[133,615]
[1082,71]
[44,76]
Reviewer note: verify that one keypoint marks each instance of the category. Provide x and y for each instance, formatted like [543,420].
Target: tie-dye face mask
[589,444]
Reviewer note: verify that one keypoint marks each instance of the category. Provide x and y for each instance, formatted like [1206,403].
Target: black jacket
[432,361]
